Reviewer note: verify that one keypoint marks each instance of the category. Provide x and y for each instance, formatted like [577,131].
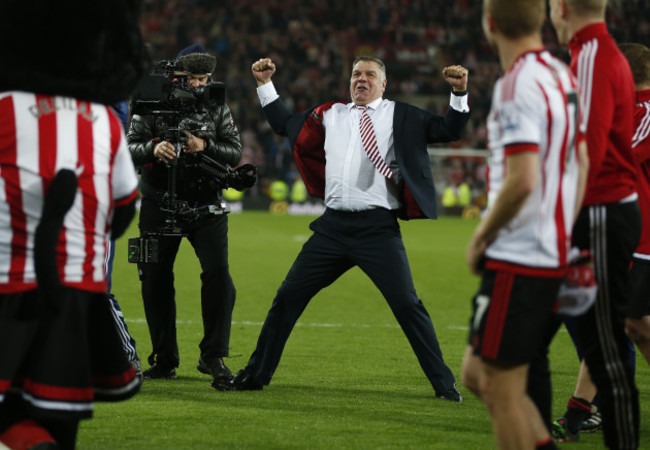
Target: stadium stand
[314,43]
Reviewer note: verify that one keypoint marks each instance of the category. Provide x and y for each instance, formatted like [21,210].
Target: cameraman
[151,142]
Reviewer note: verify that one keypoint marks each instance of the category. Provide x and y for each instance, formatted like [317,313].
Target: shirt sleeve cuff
[459,103]
[267,94]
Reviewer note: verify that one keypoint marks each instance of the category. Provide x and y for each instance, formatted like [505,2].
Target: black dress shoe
[241,382]
[451,395]
[214,367]
[158,372]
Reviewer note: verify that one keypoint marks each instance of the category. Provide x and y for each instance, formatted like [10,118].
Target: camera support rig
[145,249]
[160,96]
[177,210]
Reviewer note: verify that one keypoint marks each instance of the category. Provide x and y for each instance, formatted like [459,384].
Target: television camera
[167,95]
[166,91]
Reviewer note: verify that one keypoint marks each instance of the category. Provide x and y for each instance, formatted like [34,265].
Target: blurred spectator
[316,40]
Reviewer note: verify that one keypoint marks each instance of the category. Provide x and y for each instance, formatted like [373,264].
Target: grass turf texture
[348,377]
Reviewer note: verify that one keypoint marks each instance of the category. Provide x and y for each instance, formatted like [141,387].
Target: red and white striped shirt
[40,135]
[535,108]
[607,100]
[641,150]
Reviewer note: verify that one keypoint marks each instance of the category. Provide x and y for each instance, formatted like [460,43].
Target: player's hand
[164,151]
[263,70]
[194,144]
[475,254]
[457,77]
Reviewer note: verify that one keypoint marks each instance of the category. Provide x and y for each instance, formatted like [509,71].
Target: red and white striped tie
[369,141]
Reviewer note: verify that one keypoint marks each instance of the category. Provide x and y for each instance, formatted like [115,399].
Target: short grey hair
[370,58]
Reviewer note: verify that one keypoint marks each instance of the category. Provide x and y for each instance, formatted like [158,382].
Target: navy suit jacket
[413,130]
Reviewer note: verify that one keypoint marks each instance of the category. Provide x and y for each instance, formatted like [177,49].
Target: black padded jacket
[223,144]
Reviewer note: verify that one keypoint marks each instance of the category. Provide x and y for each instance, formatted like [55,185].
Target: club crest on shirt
[508,118]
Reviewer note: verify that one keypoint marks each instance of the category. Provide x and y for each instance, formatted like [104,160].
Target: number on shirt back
[572,106]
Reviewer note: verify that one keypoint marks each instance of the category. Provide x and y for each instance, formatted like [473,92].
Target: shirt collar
[523,55]
[372,105]
[587,33]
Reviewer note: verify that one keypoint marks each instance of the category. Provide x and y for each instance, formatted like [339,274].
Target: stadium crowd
[314,43]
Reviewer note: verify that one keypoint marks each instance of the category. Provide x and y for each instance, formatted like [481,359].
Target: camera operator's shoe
[214,367]
[158,372]
[241,382]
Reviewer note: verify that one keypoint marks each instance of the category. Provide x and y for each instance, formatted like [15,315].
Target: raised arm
[457,77]
[263,69]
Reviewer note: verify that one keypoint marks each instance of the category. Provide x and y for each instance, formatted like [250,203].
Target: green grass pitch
[348,377]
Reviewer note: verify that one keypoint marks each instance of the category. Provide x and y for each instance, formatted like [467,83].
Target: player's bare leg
[638,331]
[471,371]
[579,408]
[515,420]
[585,388]
[540,431]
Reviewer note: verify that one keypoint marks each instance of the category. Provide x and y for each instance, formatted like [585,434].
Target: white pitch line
[316,325]
[302,324]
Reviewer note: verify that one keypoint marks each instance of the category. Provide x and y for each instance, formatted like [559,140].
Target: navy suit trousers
[341,240]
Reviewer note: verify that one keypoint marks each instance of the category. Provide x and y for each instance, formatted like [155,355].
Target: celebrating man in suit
[377,170]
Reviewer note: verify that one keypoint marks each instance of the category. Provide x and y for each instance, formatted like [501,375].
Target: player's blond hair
[517,18]
[638,55]
[588,7]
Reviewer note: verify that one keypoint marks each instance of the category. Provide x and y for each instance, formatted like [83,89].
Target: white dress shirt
[352,182]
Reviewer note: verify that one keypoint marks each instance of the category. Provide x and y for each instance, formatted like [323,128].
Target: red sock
[578,409]
[546,444]
[579,404]
[25,434]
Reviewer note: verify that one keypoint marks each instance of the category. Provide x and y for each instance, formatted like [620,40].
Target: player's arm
[122,217]
[597,117]
[522,165]
[641,143]
[124,183]
[583,174]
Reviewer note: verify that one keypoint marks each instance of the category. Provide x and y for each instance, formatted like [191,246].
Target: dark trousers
[342,240]
[209,239]
[611,232]
[539,386]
